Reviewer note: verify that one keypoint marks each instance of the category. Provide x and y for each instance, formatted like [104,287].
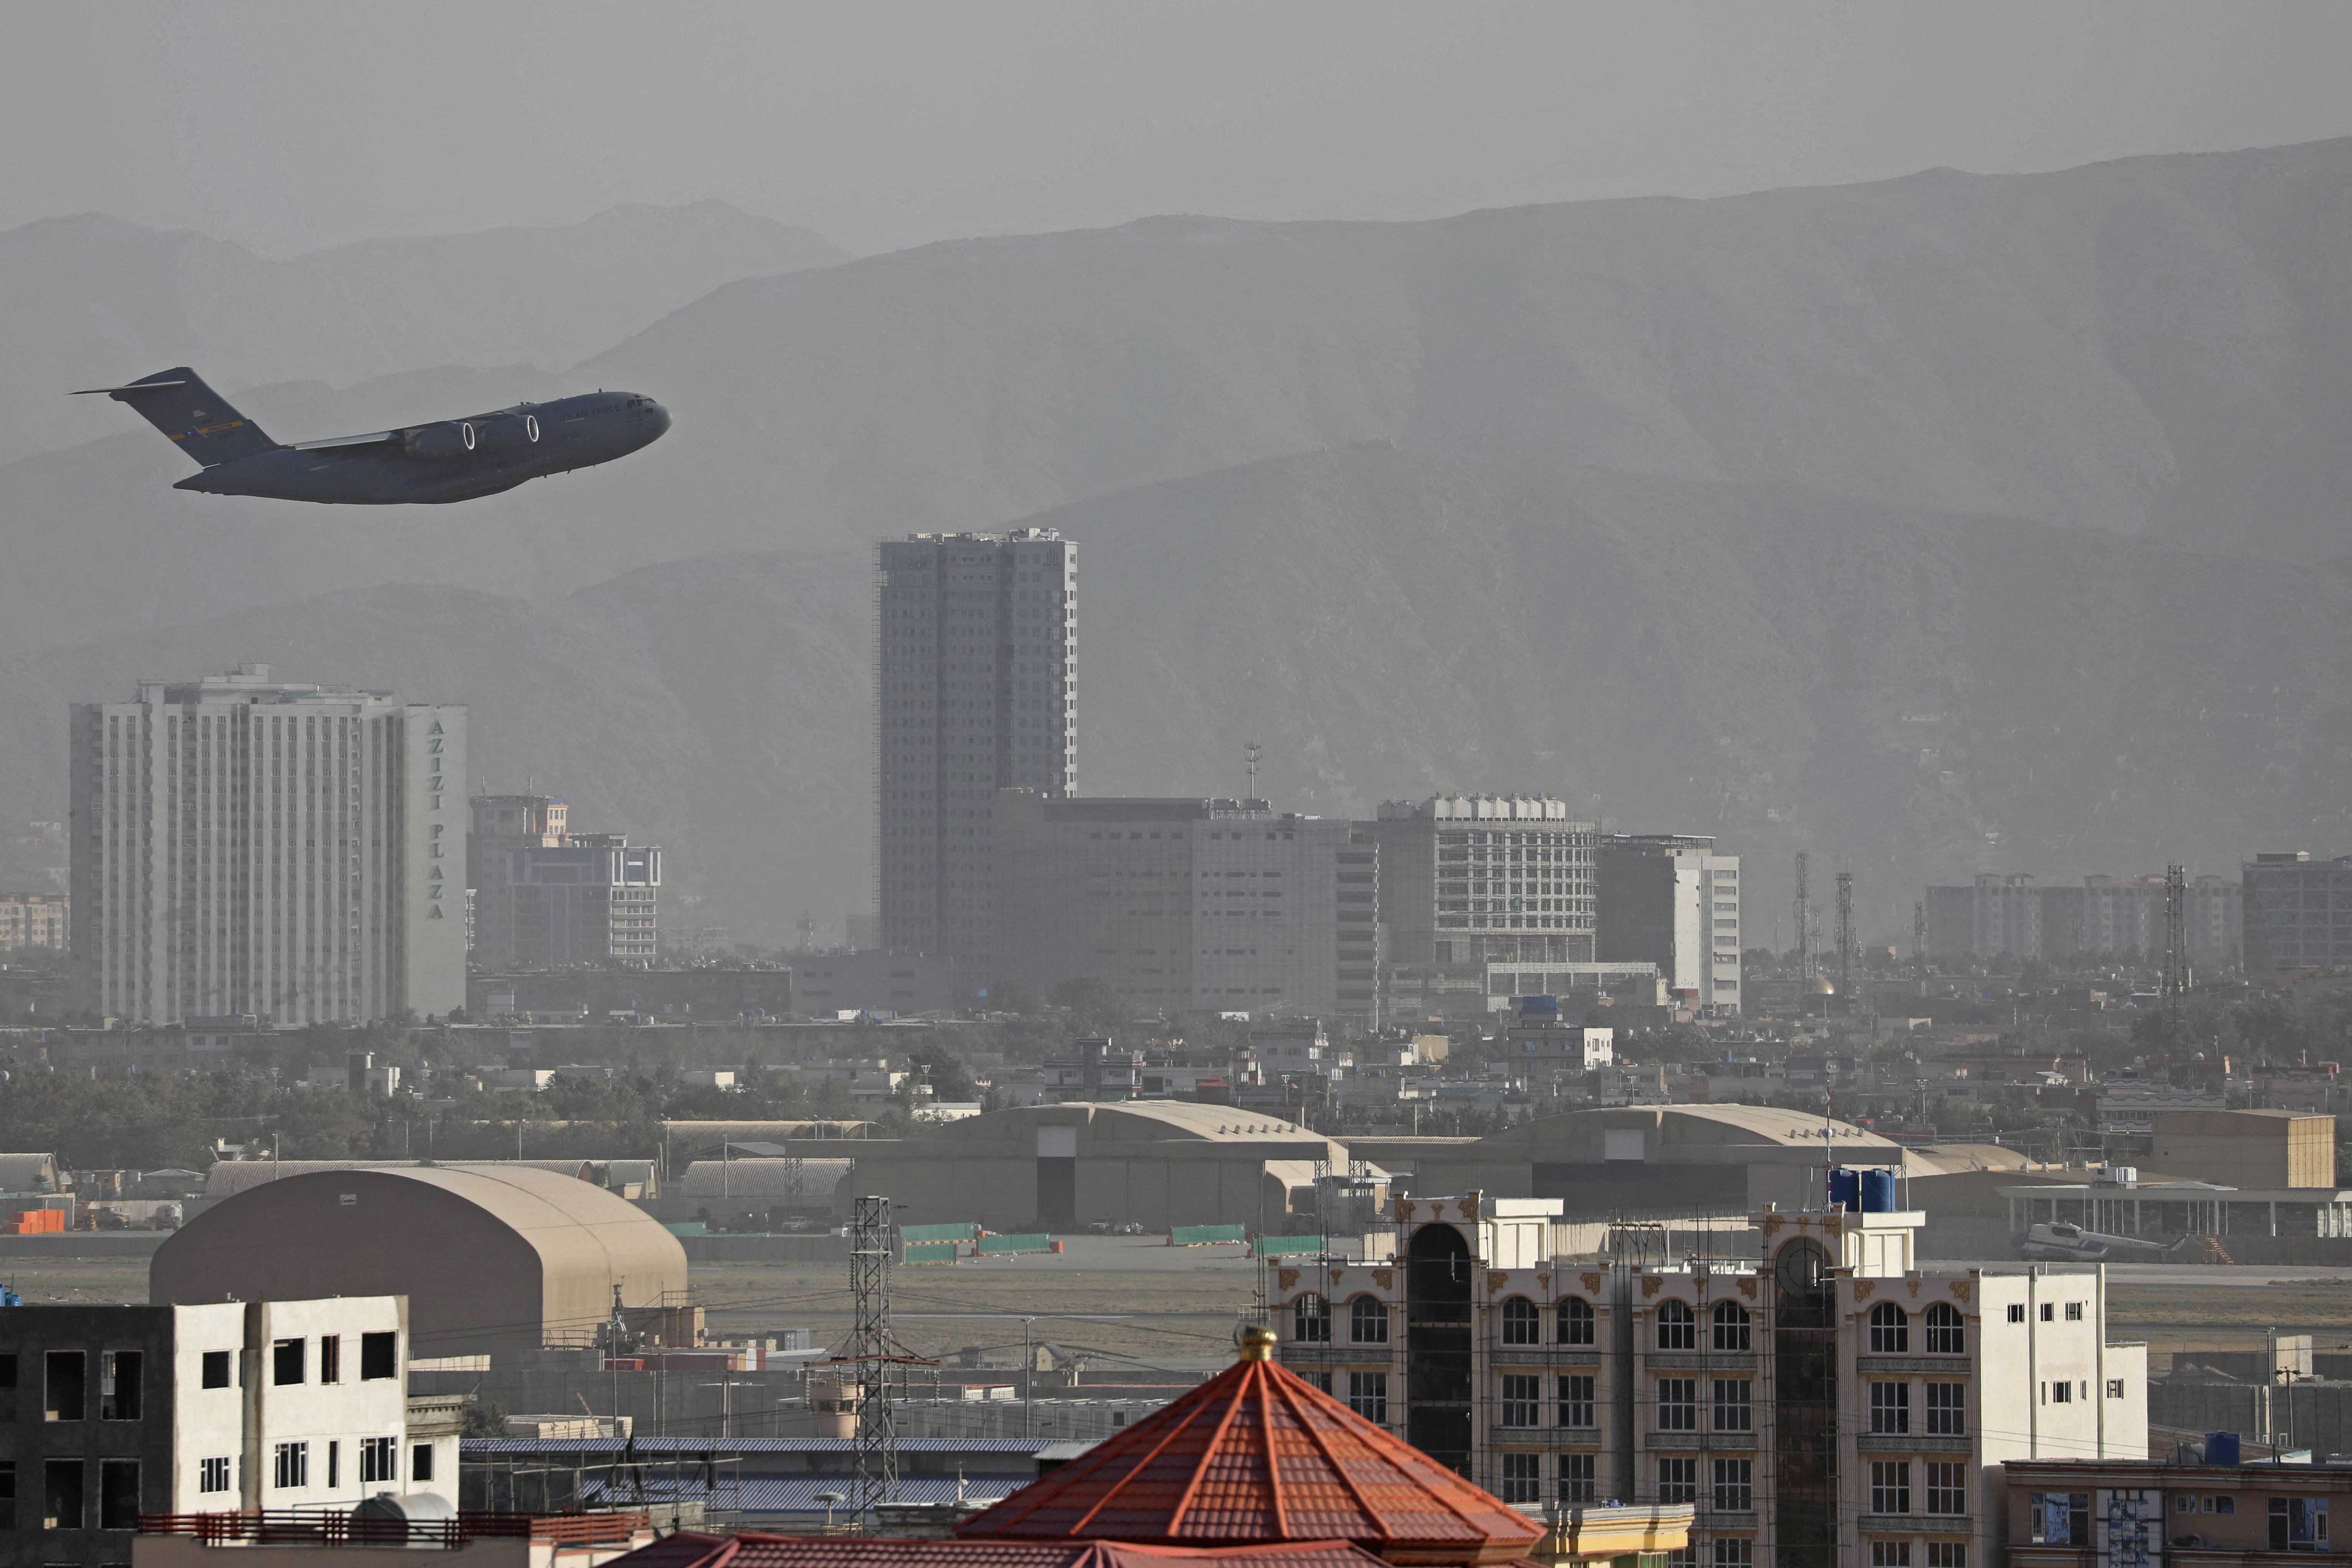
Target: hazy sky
[291,126]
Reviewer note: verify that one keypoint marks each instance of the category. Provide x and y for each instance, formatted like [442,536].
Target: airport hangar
[1158,1163]
[1642,1159]
[493,1258]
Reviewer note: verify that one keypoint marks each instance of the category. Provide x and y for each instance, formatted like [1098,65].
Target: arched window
[1731,1326]
[1310,1321]
[1367,1321]
[1575,1321]
[1678,1327]
[1522,1324]
[1947,1333]
[1890,1330]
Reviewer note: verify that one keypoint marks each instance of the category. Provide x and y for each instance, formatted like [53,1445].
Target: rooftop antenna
[1251,753]
[2176,935]
[1919,936]
[1804,912]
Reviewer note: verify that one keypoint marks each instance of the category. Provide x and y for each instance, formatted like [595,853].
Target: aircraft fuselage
[449,461]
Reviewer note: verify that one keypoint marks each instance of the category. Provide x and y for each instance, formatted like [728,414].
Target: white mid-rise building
[213,1408]
[243,844]
[1671,900]
[1824,1402]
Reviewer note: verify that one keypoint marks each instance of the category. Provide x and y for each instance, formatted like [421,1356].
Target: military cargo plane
[449,461]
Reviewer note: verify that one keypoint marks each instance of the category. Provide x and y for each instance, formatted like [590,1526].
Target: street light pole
[1028,1377]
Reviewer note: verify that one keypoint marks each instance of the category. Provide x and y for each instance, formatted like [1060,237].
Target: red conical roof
[1259,1455]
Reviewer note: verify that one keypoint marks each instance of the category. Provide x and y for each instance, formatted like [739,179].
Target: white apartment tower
[977,692]
[245,845]
[1670,900]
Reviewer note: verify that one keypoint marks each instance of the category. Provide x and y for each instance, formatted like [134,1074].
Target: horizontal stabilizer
[134,386]
[200,420]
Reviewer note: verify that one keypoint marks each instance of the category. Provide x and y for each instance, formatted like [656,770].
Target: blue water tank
[1878,1192]
[1845,1189]
[1540,1004]
[2221,1447]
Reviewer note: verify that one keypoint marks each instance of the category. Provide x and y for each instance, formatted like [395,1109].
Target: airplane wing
[369,440]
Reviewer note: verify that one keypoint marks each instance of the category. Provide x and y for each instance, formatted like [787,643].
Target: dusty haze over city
[1912,435]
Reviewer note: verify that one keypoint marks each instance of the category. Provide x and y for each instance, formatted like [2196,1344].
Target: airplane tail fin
[200,420]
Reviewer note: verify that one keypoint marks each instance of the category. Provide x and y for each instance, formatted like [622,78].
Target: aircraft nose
[658,416]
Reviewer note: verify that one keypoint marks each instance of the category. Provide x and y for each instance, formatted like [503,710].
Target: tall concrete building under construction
[246,844]
[976,691]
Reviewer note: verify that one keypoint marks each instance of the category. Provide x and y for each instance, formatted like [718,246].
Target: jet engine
[450,438]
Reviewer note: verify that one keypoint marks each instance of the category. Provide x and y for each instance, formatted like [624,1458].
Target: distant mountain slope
[92,300]
[1911,693]
[2160,345]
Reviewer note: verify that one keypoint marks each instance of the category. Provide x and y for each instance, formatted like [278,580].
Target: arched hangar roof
[487,1255]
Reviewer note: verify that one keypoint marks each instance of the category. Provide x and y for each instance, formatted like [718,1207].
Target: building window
[1521,1393]
[64,1390]
[2298,1524]
[1890,1555]
[1321,1380]
[1947,1410]
[1734,1486]
[1890,1408]
[1677,1404]
[1678,1480]
[1890,1486]
[1735,1405]
[216,1375]
[420,1462]
[1522,1478]
[1575,1321]
[1576,1402]
[7,1494]
[1678,1327]
[61,1500]
[2059,1393]
[1731,1326]
[1890,1330]
[1522,1324]
[290,1465]
[1947,1487]
[1733,1551]
[378,1355]
[118,1385]
[1947,1331]
[1367,1395]
[1577,1473]
[1948,1554]
[2073,1312]
[2047,1311]
[2017,1311]
[1310,1321]
[286,1360]
[379,1459]
[118,1494]
[1367,1321]
[212,1475]
[331,1358]
[1683,1557]
[2114,1388]
[2059,1518]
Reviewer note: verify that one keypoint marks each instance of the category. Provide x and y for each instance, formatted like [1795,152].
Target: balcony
[495,1540]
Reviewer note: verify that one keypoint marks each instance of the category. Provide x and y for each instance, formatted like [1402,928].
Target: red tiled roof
[689,1549]
[1258,1454]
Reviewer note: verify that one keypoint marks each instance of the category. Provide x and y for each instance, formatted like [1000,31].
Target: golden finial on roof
[1257,1341]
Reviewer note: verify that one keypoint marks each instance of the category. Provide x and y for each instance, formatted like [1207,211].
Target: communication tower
[1804,912]
[1846,932]
[874,1354]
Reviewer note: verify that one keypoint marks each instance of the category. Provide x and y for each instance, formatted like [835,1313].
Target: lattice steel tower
[1846,932]
[1804,912]
[2175,931]
[874,1356]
